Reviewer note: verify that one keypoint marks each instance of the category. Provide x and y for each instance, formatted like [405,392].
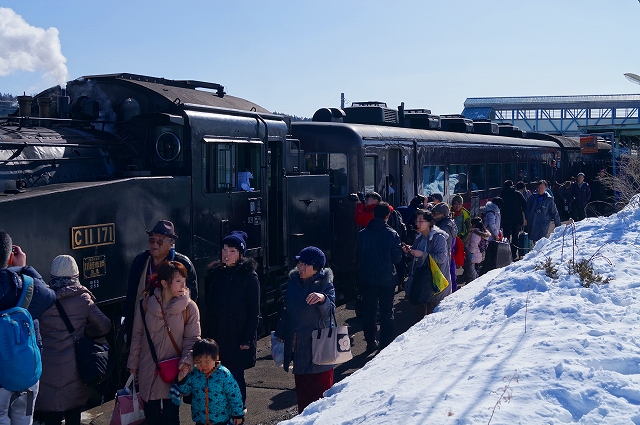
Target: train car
[402,162]
[85,172]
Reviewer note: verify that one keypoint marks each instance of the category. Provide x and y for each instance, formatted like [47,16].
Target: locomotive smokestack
[44,105]
[24,104]
[63,104]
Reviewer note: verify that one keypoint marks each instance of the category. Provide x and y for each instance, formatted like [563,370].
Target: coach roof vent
[372,112]
[421,118]
[456,123]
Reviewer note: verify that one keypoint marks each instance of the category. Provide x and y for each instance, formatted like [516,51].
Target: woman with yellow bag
[429,268]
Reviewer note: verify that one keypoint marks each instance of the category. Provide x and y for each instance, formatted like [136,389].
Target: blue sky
[298,56]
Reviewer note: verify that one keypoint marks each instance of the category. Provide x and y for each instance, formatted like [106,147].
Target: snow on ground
[471,362]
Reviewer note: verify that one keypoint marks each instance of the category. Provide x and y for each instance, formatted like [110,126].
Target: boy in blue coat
[216,395]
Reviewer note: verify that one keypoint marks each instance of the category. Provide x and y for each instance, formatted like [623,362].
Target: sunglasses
[157,241]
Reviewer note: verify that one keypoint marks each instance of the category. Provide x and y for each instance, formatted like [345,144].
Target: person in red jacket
[364,211]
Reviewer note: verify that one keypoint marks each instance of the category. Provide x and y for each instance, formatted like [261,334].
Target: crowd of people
[176,350]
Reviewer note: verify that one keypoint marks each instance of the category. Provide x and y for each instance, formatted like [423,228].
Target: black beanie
[237,239]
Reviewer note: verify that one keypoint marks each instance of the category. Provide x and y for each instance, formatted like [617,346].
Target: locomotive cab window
[231,166]
[432,179]
[334,164]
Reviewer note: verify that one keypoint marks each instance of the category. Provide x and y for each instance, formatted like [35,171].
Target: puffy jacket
[472,246]
[491,219]
[299,319]
[138,271]
[185,335]
[11,289]
[378,252]
[541,210]
[60,385]
[217,394]
[232,312]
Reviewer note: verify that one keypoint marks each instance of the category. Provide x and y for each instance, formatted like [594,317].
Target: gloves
[175,394]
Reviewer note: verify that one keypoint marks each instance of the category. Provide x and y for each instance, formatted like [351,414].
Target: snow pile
[472,362]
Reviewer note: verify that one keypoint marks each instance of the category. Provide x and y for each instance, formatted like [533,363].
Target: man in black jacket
[17,408]
[143,269]
[512,214]
[378,252]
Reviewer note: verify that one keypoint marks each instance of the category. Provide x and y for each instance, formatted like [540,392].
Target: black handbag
[421,285]
[91,356]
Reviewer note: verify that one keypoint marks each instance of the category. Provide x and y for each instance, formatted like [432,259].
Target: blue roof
[477,113]
[555,102]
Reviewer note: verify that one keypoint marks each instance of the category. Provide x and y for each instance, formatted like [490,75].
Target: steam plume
[28,48]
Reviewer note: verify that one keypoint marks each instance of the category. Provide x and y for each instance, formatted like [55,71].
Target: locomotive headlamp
[168,146]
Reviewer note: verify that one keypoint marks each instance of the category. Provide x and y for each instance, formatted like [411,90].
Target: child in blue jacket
[216,395]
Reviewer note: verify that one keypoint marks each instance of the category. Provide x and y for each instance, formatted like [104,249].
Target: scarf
[61,282]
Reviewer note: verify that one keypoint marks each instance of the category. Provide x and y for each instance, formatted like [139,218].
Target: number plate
[94,235]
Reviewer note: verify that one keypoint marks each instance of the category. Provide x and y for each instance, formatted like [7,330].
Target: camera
[355,197]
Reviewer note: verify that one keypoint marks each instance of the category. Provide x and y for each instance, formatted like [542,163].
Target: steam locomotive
[86,170]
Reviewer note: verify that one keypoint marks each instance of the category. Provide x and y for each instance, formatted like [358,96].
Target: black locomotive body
[139,149]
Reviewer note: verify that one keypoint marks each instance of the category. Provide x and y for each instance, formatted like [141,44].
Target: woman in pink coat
[472,246]
[170,301]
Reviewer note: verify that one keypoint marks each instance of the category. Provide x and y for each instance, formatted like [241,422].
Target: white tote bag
[128,409]
[331,345]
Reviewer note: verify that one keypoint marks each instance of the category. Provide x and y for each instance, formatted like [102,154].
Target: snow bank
[472,361]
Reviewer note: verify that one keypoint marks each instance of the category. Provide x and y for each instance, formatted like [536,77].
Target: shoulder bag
[331,345]
[167,369]
[91,356]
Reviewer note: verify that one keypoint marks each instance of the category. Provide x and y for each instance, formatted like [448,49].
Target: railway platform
[271,396]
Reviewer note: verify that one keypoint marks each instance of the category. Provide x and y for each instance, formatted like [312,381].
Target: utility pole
[341,100]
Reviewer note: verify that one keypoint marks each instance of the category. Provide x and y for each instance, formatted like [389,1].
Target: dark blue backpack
[20,362]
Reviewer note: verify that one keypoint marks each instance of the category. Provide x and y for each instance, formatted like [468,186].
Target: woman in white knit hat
[62,393]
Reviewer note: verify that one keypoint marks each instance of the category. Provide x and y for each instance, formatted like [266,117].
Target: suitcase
[525,245]
[498,255]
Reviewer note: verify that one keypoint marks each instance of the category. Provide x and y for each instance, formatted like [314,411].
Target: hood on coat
[491,207]
[324,274]
[73,290]
[483,234]
[245,264]
[435,229]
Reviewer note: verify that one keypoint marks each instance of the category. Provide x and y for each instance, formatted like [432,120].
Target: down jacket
[472,246]
[491,218]
[185,335]
[233,312]
[60,385]
[214,396]
[541,210]
[299,319]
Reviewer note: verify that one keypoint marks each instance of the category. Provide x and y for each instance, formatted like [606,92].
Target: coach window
[477,177]
[542,170]
[534,171]
[432,179]
[370,173]
[458,178]
[494,176]
[523,172]
[334,164]
[510,172]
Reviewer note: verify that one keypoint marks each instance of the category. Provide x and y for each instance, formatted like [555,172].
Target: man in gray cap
[142,273]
